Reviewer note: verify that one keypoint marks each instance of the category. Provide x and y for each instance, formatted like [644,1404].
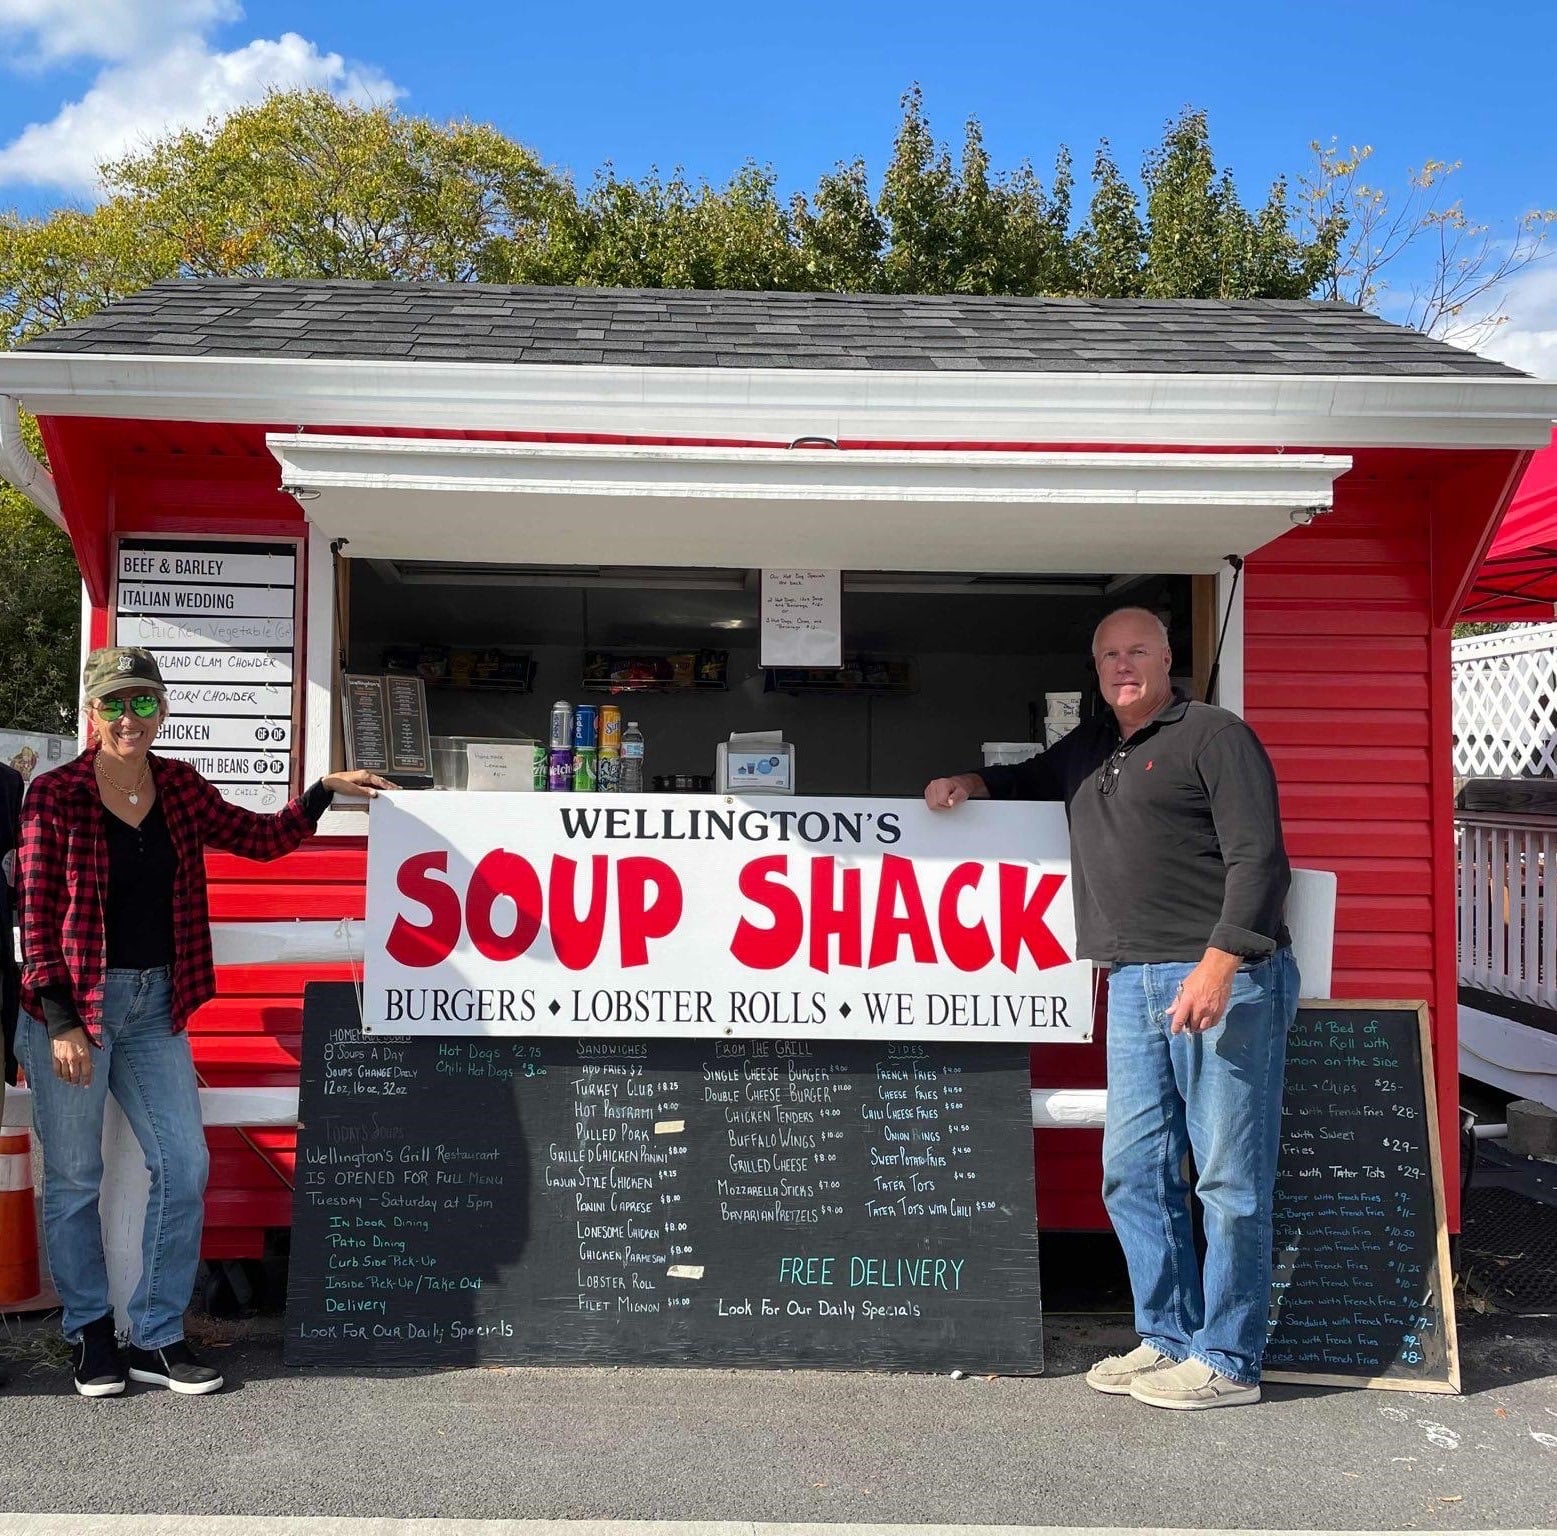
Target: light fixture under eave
[299,493]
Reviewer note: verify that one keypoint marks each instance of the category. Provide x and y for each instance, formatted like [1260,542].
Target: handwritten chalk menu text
[667,1202]
[221,619]
[1361,1290]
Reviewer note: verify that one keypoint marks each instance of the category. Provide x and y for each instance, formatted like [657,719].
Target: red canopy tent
[1518,579]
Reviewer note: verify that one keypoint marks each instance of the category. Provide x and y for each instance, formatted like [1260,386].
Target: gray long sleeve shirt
[1175,834]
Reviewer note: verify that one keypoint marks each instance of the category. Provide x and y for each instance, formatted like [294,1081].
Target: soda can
[561,725]
[608,773]
[584,774]
[559,769]
[585,724]
[610,729]
[541,782]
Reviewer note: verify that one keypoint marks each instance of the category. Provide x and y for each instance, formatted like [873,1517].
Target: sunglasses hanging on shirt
[142,705]
[1108,774]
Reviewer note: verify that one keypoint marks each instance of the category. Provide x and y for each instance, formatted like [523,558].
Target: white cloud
[160,73]
[1528,338]
[53,30]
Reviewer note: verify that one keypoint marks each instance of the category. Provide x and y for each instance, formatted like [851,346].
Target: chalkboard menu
[1361,1294]
[669,1202]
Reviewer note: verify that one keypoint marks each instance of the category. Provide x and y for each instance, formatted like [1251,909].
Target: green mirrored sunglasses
[142,705]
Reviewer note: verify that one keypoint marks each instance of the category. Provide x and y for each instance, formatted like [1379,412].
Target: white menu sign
[802,623]
[221,621]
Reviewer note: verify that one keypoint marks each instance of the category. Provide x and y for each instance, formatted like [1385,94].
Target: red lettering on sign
[968,946]
[502,873]
[1021,919]
[828,921]
[765,949]
[898,881]
[430,943]
[576,940]
[641,918]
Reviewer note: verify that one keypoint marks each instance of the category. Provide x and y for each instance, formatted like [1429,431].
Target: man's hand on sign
[1203,995]
[943,794]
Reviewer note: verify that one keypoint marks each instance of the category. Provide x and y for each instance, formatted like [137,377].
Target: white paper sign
[197,731]
[490,765]
[197,600]
[802,623]
[138,562]
[231,767]
[221,699]
[714,916]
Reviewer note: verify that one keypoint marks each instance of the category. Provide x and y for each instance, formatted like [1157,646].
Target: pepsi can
[584,727]
[561,725]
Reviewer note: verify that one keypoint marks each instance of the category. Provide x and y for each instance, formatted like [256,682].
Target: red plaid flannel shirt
[62,871]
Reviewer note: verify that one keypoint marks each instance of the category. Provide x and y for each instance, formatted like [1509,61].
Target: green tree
[1111,244]
[40,618]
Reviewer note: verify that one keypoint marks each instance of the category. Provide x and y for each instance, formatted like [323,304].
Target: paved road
[808,1447]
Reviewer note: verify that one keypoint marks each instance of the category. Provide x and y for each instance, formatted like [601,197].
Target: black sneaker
[96,1361]
[174,1366]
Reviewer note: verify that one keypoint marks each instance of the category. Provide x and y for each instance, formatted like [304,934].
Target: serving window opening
[936,665]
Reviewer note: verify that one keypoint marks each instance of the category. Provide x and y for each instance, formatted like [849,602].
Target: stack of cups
[1062,714]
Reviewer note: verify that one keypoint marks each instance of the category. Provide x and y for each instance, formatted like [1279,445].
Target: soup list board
[221,619]
[660,1202]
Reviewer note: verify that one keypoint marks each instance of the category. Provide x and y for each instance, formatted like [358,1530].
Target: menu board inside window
[221,618]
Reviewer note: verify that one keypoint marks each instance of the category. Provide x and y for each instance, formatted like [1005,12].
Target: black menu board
[1362,1292]
[667,1202]
[410,749]
[367,729]
[386,727]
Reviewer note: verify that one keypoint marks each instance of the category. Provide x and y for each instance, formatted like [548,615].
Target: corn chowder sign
[678,915]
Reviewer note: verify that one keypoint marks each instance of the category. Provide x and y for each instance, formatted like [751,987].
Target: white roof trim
[783,404]
[553,503]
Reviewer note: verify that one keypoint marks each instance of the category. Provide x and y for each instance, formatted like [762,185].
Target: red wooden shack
[991,475]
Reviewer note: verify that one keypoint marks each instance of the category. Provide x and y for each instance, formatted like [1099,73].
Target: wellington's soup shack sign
[528,914]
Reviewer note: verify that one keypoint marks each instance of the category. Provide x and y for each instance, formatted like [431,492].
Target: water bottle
[632,760]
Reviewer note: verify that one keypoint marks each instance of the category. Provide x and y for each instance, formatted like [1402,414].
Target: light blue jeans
[1217,1094]
[149,1071]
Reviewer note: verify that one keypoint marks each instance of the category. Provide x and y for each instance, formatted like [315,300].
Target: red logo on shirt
[1148,766]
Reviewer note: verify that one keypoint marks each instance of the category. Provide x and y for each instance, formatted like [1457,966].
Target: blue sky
[801,86]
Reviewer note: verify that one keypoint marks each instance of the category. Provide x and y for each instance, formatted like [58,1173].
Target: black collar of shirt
[1173,710]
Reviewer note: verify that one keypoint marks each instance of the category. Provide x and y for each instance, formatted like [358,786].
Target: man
[1179,877]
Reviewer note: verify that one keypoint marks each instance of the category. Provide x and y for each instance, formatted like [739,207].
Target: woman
[116,946]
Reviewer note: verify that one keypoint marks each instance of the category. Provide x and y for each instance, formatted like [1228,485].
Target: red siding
[1346,679]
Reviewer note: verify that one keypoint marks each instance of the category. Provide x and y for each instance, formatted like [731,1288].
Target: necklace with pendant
[133,794]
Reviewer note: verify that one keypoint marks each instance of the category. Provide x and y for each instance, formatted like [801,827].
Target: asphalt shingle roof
[455,322]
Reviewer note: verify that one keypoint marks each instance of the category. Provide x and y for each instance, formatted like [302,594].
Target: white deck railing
[1508,911]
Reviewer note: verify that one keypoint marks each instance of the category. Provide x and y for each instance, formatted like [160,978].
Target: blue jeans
[149,1071]
[1217,1094]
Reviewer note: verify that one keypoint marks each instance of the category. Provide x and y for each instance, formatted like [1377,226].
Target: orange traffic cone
[18,1228]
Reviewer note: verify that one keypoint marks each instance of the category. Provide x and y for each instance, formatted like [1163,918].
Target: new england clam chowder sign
[678,915]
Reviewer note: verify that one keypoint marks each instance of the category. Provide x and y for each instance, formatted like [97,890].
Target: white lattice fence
[1505,704]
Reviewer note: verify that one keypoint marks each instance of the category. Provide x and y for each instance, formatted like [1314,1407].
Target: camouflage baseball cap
[113,668]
